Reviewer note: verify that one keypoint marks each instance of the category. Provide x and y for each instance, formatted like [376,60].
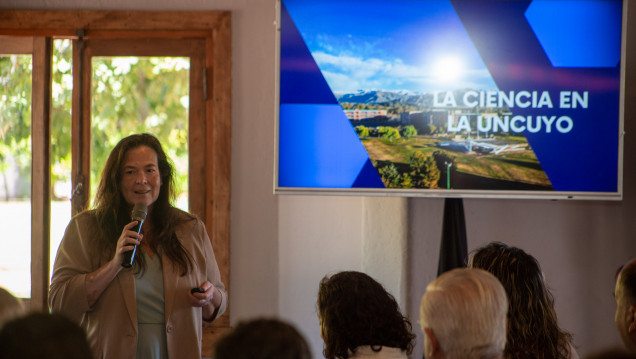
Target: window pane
[141,94]
[62,88]
[15,174]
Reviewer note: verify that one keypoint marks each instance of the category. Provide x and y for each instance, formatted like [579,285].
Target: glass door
[16,67]
[141,85]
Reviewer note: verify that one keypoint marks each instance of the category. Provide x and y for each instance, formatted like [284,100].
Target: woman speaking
[154,308]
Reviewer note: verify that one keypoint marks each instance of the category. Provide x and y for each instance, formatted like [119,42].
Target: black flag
[453,250]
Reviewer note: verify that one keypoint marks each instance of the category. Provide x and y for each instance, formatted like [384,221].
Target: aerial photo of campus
[409,143]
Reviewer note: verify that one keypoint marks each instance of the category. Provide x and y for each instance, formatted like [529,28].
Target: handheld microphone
[139,213]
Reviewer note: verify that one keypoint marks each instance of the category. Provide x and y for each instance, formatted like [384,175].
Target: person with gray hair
[463,315]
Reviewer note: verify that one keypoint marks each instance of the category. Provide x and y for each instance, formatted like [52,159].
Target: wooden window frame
[209,137]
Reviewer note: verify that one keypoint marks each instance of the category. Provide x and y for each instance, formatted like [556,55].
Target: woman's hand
[97,281]
[126,240]
[209,300]
[200,299]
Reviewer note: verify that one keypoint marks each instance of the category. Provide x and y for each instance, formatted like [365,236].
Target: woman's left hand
[198,299]
[209,300]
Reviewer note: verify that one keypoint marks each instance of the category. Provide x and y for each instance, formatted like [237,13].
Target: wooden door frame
[209,146]
[39,48]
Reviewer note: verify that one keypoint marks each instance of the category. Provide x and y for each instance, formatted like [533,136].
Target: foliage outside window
[141,94]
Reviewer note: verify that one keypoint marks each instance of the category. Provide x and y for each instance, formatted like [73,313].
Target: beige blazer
[111,323]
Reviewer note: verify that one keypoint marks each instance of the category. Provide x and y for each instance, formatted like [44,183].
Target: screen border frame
[455,193]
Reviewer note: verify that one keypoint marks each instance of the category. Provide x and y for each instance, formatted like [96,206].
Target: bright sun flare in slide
[448,68]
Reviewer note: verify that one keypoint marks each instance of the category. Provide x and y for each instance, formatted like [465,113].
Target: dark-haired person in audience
[533,331]
[360,319]
[463,316]
[10,306]
[625,295]
[42,335]
[611,353]
[147,310]
[262,338]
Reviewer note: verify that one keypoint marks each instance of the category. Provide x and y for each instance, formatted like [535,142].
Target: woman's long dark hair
[533,331]
[113,212]
[356,310]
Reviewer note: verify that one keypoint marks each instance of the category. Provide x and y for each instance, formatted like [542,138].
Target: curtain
[453,251]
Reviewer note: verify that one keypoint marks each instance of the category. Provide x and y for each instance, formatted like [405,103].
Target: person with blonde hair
[533,331]
[625,296]
[10,306]
[463,316]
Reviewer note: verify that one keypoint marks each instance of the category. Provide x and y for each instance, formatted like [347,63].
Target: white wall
[318,236]
[321,235]
[282,246]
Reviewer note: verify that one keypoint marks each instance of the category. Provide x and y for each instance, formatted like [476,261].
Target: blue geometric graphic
[300,77]
[586,158]
[318,148]
[576,33]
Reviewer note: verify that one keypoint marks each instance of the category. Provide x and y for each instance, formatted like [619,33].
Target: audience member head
[611,353]
[625,295]
[262,339]
[533,331]
[43,335]
[463,316]
[355,310]
[10,306]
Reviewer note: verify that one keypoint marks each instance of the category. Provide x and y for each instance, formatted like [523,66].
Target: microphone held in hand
[139,213]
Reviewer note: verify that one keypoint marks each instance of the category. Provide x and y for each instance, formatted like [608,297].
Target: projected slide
[450,95]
